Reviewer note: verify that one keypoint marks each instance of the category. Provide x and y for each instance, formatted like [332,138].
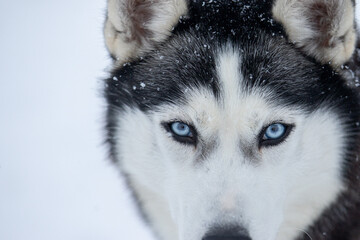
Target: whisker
[307,234]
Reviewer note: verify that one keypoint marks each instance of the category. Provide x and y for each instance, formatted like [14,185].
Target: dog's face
[230,133]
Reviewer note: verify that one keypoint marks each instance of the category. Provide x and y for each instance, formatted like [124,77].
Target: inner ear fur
[323,29]
[133,27]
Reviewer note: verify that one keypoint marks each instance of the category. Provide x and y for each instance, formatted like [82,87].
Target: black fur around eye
[274,134]
[181,132]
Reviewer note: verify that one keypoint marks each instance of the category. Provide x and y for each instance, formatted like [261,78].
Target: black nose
[225,237]
[230,232]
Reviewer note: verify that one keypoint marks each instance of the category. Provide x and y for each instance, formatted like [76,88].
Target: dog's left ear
[323,29]
[134,27]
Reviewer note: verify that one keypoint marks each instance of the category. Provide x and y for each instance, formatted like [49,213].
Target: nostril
[224,237]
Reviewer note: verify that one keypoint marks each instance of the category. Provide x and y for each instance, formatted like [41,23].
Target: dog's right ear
[133,27]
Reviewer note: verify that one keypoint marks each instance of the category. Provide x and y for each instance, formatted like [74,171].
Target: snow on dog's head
[222,126]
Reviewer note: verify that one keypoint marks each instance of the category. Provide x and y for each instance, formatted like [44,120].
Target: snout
[227,234]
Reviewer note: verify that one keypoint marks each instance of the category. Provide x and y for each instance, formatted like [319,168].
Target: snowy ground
[55,181]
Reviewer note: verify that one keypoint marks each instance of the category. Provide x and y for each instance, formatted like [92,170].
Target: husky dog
[232,120]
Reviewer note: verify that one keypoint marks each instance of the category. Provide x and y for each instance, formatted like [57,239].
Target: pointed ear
[323,29]
[133,27]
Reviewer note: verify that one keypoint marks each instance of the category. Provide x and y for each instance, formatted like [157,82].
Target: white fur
[294,16]
[273,192]
[320,166]
[146,173]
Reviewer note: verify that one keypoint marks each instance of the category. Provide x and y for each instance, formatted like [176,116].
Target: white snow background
[55,180]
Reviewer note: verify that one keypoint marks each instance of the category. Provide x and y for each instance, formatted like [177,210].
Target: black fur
[186,61]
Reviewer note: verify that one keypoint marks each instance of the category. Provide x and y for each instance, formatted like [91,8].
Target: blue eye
[275,131]
[274,134]
[182,132]
[181,129]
